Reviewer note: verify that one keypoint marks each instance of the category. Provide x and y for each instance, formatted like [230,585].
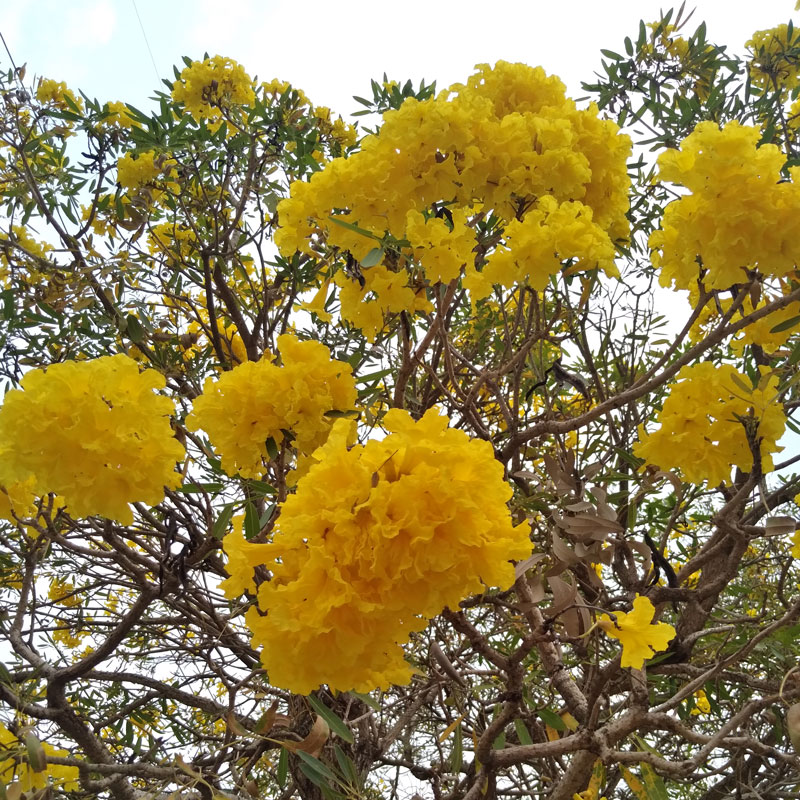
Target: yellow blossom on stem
[377,539]
[704,424]
[93,432]
[257,401]
[55,93]
[740,214]
[210,88]
[635,631]
[16,769]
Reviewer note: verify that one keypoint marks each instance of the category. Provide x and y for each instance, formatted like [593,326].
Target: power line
[144,35]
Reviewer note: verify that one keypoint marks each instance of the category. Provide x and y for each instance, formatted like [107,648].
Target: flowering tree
[446,457]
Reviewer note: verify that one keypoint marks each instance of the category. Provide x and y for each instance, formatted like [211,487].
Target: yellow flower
[378,538]
[257,401]
[774,58]
[119,116]
[639,638]
[740,214]
[703,424]
[15,766]
[55,92]
[509,142]
[212,87]
[63,592]
[701,704]
[93,432]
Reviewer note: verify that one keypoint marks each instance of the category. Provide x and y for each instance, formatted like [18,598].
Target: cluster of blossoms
[119,116]
[93,432]
[208,89]
[774,58]
[708,422]
[739,214]
[18,249]
[57,94]
[257,401]
[376,539]
[509,143]
[769,333]
[17,771]
[142,169]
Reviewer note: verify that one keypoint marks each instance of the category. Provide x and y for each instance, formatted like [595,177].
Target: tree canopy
[448,454]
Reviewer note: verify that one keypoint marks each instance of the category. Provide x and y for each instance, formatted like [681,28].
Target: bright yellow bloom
[93,432]
[701,704]
[509,141]
[739,214]
[63,592]
[14,766]
[145,174]
[639,638]
[54,92]
[257,401]
[209,89]
[119,116]
[378,538]
[774,58]
[536,246]
[703,424]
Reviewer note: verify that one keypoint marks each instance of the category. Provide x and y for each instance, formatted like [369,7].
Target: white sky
[331,50]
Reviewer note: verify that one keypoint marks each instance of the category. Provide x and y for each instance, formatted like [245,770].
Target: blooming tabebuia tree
[453,456]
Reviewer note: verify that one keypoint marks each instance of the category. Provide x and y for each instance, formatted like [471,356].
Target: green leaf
[200,488]
[260,488]
[335,724]
[316,768]
[36,755]
[134,329]
[347,767]
[351,227]
[283,767]
[222,521]
[785,325]
[456,756]
[365,698]
[656,789]
[272,448]
[251,526]
[523,734]
[552,719]
[7,296]
[372,258]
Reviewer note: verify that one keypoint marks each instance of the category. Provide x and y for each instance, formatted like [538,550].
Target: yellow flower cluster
[761,332]
[383,292]
[210,88]
[257,401]
[703,424]
[16,769]
[93,432]
[137,170]
[508,142]
[377,538]
[54,92]
[119,116]
[774,63]
[536,245]
[19,249]
[739,213]
[666,40]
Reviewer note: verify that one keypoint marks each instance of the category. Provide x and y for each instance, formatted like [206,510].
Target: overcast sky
[331,50]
